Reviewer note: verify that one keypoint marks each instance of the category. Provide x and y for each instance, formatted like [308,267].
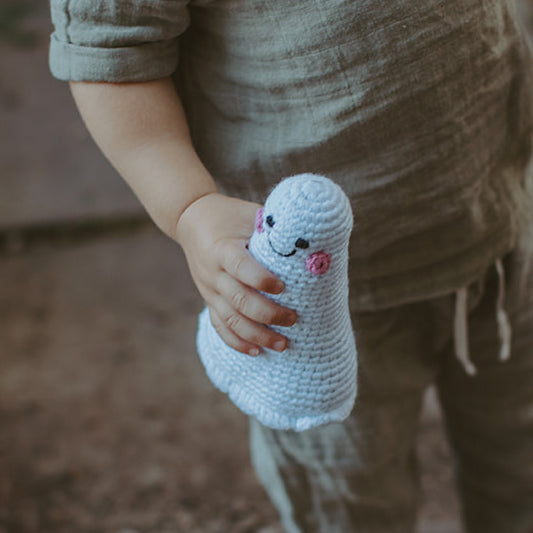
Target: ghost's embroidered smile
[300,243]
[279,253]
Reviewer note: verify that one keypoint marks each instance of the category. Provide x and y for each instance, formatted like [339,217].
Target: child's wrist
[183,220]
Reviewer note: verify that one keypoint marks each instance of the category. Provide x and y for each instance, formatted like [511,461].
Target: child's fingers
[239,264]
[253,305]
[230,338]
[244,328]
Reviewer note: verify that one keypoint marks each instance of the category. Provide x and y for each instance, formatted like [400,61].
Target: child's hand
[214,232]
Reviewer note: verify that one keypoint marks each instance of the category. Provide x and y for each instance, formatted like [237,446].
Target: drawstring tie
[504,326]
[460,326]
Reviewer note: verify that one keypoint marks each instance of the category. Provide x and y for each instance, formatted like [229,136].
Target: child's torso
[419,110]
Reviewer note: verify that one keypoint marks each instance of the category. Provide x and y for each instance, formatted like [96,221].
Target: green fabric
[108,40]
[421,111]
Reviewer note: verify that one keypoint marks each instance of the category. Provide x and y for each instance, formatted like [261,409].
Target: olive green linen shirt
[421,110]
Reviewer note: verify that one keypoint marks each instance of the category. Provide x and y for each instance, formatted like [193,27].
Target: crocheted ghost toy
[301,235]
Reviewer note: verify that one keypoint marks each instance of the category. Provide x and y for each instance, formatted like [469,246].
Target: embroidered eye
[270,220]
[301,243]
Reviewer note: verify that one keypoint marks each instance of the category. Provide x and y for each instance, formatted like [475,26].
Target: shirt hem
[418,287]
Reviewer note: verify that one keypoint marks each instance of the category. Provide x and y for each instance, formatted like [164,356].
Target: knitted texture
[301,235]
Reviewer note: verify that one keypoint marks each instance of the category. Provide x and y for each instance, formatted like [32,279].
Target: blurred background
[107,421]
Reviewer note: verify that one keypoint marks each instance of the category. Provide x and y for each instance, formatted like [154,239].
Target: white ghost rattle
[302,236]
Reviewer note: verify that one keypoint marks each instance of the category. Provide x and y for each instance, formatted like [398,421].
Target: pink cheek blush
[259,221]
[318,263]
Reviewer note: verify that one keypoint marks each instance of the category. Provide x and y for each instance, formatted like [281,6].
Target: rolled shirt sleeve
[116,40]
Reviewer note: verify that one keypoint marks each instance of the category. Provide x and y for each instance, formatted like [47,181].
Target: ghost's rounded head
[306,221]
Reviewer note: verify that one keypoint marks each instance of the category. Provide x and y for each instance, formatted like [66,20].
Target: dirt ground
[107,421]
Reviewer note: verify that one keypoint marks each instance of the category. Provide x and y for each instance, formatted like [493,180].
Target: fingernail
[253,351]
[279,346]
[278,286]
[290,319]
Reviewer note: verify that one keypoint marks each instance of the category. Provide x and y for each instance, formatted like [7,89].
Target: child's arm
[142,130]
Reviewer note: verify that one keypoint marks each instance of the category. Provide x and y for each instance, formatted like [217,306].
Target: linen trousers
[360,476]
